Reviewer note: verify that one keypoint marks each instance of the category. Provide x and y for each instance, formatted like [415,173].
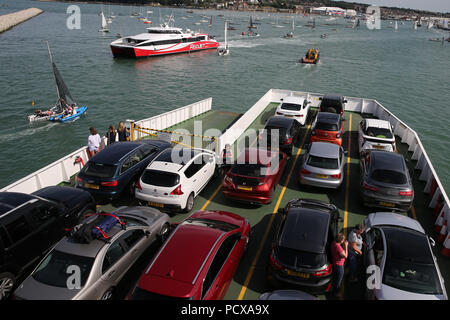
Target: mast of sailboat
[226,28]
[54,75]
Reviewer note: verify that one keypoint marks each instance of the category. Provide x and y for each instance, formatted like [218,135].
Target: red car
[254,176]
[328,127]
[198,260]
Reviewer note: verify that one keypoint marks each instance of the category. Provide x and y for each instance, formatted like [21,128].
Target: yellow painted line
[269,225]
[413,211]
[347,184]
[212,197]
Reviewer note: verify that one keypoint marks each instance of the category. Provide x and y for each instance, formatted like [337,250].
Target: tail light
[304,171]
[313,133]
[369,187]
[338,135]
[288,141]
[109,183]
[324,272]
[177,191]
[336,176]
[408,193]
[299,115]
[273,261]
[79,179]
[138,185]
[279,113]
[228,179]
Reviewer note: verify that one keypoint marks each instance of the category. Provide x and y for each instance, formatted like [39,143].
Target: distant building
[350,13]
[329,11]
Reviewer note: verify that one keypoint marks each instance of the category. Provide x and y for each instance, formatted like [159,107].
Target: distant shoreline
[10,20]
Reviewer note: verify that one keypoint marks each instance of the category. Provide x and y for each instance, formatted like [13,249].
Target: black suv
[30,224]
[289,129]
[301,254]
[333,104]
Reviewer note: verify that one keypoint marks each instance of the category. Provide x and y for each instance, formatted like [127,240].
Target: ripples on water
[403,70]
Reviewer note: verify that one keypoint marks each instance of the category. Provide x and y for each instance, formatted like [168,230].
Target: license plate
[321,176]
[245,188]
[387,204]
[378,147]
[288,115]
[298,274]
[92,186]
[156,204]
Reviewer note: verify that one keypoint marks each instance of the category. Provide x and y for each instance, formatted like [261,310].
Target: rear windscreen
[160,178]
[250,170]
[323,163]
[291,107]
[298,259]
[333,106]
[379,133]
[99,170]
[389,176]
[326,126]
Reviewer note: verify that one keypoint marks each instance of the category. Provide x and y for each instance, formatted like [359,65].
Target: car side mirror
[345,152]
[321,98]
[340,219]
[281,99]
[345,101]
[147,233]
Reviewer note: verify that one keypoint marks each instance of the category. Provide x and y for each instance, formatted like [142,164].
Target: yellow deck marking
[347,184]
[269,225]
[413,211]
[212,197]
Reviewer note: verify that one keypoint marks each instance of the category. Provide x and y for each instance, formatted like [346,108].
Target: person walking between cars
[112,135]
[355,251]
[339,252]
[227,159]
[94,141]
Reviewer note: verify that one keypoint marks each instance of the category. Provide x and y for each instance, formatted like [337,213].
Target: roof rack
[95,226]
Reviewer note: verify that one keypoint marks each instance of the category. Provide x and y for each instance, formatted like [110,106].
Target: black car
[333,104]
[385,181]
[288,130]
[301,254]
[30,224]
[115,170]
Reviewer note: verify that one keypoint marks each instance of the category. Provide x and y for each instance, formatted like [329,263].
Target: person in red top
[339,252]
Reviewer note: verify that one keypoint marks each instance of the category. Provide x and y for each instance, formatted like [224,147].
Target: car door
[194,173]
[130,168]
[373,254]
[221,270]
[208,168]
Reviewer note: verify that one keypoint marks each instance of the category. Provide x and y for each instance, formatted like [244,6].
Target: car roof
[11,200]
[113,153]
[328,117]
[332,97]
[406,244]
[393,219]
[377,123]
[177,156]
[305,229]
[293,99]
[279,121]
[183,256]
[387,160]
[324,149]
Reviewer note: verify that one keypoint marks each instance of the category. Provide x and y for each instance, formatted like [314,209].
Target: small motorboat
[311,56]
[324,36]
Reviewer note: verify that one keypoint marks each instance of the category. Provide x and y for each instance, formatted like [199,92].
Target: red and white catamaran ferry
[162,40]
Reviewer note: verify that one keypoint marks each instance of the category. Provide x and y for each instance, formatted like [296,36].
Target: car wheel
[7,281]
[108,295]
[164,233]
[131,188]
[189,203]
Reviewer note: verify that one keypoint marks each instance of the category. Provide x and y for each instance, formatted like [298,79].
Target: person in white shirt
[94,141]
[355,242]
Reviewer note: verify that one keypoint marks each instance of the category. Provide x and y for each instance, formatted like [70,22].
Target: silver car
[90,270]
[323,165]
[399,249]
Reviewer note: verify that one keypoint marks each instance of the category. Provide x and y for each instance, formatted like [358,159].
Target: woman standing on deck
[339,252]
[94,141]
[122,132]
[112,135]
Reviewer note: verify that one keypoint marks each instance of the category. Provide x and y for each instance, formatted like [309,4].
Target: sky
[429,5]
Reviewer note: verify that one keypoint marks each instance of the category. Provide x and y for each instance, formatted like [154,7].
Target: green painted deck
[249,281]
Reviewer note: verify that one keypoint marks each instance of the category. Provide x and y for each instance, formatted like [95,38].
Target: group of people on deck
[112,136]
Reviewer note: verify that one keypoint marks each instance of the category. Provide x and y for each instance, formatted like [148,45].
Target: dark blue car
[115,170]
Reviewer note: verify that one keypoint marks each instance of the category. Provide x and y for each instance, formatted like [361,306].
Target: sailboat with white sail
[290,35]
[395,26]
[104,27]
[65,108]
[225,51]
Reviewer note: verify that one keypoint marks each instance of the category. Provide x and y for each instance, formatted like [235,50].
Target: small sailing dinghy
[104,27]
[290,35]
[225,51]
[65,108]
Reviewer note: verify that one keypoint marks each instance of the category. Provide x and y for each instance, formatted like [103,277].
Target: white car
[375,134]
[398,247]
[175,177]
[294,107]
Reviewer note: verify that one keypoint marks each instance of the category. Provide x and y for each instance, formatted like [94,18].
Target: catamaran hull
[133,52]
[61,118]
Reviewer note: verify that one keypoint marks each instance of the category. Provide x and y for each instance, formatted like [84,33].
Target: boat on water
[162,40]
[104,25]
[65,109]
[430,196]
[290,34]
[311,56]
[225,50]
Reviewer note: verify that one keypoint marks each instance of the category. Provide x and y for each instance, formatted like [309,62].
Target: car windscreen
[382,133]
[215,224]
[291,107]
[333,106]
[298,259]
[160,178]
[53,269]
[326,126]
[250,170]
[323,163]
[140,294]
[388,176]
[99,170]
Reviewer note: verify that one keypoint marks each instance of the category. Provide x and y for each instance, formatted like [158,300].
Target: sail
[396,26]
[63,91]
[104,23]
[226,28]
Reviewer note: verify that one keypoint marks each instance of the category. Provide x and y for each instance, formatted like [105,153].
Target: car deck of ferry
[250,279]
